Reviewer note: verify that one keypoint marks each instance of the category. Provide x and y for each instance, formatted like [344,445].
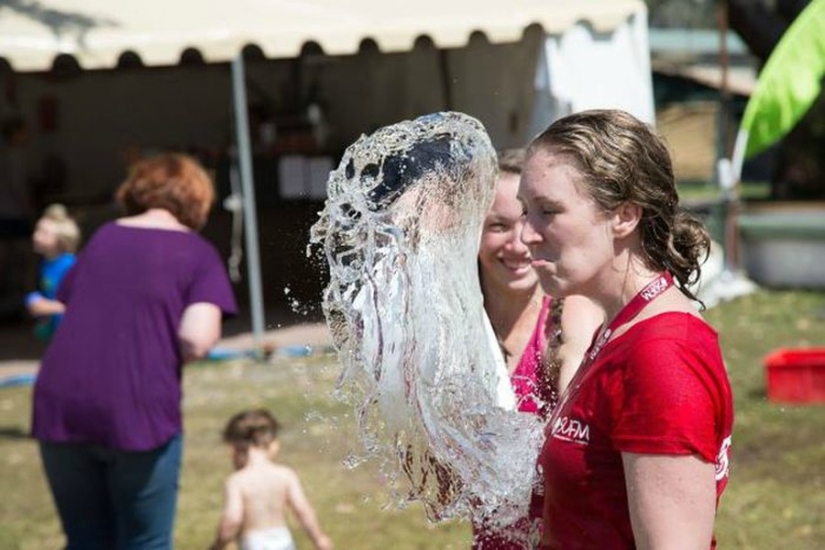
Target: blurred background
[92,85]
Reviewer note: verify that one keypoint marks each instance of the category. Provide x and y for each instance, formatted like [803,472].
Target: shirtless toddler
[259,492]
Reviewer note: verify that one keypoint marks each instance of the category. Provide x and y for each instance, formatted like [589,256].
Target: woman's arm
[199,330]
[672,501]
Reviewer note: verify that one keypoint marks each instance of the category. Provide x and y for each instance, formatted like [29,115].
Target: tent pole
[253,263]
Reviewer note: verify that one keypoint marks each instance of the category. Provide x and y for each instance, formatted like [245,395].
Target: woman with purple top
[147,295]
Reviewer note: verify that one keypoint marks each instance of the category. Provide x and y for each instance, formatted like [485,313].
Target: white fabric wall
[581,69]
[492,83]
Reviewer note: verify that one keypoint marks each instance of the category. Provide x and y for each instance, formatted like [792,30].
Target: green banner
[790,81]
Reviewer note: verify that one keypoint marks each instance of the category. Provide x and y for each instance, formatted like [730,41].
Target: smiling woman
[645,424]
[543,340]
[400,231]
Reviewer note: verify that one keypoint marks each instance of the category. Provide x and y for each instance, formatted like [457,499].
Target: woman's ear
[626,219]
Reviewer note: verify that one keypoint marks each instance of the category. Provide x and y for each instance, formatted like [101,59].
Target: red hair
[172,181]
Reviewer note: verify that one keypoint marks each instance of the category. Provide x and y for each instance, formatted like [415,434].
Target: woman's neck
[506,309]
[158,218]
[624,287]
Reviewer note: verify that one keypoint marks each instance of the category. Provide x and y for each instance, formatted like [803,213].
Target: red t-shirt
[659,388]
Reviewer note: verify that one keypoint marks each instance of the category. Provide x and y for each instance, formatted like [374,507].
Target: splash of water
[400,232]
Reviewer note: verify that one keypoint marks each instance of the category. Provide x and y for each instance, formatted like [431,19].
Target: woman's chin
[523,284]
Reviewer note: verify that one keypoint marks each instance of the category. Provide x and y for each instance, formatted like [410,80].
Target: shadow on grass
[13,432]
[758,394]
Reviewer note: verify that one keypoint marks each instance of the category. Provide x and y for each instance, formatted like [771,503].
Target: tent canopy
[97,32]
[592,53]
[535,61]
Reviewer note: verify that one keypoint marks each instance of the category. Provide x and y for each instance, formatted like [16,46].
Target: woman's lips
[518,266]
[539,262]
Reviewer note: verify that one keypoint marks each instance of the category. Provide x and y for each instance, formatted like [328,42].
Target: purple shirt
[112,373]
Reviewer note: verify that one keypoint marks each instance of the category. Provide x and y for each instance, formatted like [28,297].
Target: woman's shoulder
[673,324]
[112,235]
[103,233]
[115,228]
[672,335]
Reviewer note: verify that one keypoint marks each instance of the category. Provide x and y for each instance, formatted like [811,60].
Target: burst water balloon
[400,231]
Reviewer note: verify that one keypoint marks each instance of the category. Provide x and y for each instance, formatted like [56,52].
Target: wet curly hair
[622,160]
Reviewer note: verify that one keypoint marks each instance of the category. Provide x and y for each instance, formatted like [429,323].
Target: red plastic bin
[796,375]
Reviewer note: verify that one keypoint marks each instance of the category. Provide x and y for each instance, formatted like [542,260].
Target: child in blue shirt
[56,238]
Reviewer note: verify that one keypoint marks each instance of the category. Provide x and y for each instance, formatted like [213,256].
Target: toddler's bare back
[265,489]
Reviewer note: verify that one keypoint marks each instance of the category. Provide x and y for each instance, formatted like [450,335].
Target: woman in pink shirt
[528,324]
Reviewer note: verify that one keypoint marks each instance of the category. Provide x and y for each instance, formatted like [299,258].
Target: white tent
[97,32]
[594,53]
[515,65]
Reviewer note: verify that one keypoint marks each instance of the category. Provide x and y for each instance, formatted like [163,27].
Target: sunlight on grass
[775,499]
[318,433]
[701,191]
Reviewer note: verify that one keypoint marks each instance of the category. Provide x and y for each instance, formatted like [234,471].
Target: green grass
[775,499]
[352,504]
[706,191]
[776,496]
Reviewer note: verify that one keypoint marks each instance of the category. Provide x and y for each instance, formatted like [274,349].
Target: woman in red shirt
[637,451]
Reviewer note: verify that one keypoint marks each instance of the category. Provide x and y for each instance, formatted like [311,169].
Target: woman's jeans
[114,500]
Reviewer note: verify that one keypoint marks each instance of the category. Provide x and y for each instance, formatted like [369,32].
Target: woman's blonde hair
[511,161]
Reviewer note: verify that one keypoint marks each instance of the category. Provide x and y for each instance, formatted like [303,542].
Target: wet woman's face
[504,259]
[568,235]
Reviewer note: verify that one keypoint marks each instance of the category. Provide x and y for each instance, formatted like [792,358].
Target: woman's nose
[529,235]
[515,241]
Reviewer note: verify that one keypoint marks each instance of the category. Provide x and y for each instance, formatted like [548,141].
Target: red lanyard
[649,293]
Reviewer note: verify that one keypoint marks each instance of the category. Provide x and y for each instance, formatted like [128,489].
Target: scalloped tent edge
[96,32]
